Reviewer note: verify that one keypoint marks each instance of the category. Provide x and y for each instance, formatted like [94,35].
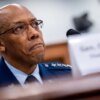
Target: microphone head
[71,32]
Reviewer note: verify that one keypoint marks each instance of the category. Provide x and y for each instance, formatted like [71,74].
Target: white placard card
[85,51]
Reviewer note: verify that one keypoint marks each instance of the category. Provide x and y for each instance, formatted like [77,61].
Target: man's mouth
[35,46]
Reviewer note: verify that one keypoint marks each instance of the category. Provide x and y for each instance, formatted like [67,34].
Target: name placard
[85,51]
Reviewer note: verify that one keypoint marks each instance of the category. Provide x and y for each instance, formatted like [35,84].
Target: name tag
[85,52]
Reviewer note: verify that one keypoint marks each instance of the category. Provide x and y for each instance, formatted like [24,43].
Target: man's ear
[2,46]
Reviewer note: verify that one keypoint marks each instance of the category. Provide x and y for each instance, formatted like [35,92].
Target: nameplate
[85,50]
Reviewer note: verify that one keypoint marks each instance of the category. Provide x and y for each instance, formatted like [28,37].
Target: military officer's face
[20,35]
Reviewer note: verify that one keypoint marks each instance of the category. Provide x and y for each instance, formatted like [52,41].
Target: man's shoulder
[56,66]
[55,69]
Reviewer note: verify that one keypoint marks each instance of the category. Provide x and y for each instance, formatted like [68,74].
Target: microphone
[71,32]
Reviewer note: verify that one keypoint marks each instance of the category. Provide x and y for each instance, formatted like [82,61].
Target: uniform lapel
[6,76]
[45,73]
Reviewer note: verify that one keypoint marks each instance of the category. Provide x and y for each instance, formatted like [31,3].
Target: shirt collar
[21,76]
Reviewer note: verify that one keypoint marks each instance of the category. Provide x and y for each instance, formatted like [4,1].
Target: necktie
[31,79]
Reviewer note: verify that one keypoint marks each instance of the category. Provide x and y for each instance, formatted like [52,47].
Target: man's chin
[37,58]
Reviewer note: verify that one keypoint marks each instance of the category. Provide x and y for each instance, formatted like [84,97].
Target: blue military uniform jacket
[47,71]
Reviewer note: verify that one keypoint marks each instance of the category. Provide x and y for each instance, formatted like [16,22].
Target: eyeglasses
[21,27]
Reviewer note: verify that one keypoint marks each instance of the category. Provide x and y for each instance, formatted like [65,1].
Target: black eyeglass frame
[38,22]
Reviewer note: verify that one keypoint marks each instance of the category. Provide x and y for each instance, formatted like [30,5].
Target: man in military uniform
[22,48]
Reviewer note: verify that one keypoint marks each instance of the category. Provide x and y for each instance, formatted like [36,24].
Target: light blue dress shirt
[21,76]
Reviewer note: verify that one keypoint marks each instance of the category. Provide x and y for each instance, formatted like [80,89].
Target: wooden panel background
[57,52]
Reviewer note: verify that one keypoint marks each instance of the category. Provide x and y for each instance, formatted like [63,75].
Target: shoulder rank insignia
[57,66]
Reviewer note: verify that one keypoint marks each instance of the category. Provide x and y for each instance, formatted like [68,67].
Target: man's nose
[32,33]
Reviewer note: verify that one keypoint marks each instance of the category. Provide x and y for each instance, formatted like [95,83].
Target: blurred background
[59,16]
